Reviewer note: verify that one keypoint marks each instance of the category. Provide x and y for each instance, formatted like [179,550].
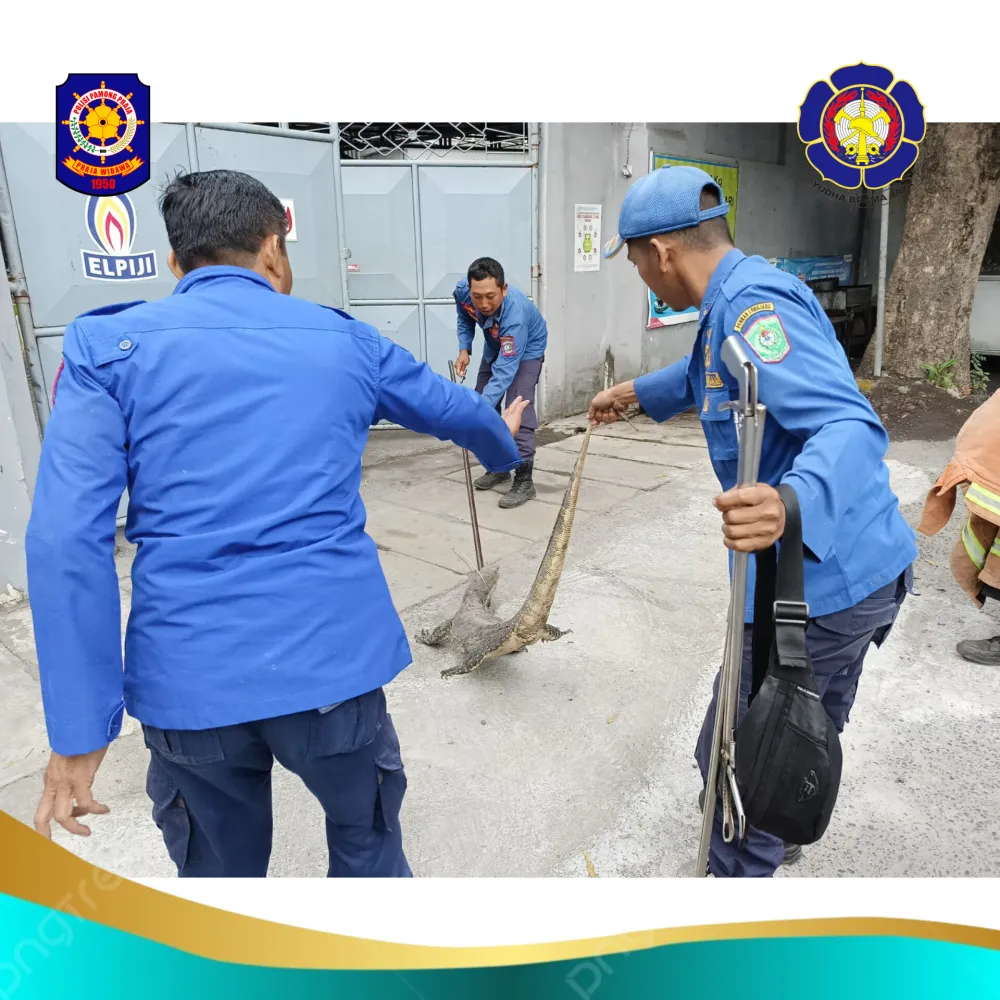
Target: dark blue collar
[218,272]
[719,275]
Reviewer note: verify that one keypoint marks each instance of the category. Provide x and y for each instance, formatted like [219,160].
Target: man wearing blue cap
[821,437]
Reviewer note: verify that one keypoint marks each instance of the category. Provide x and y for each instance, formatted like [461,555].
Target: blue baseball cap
[664,201]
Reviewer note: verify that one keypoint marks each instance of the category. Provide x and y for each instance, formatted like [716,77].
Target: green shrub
[980,380]
[940,374]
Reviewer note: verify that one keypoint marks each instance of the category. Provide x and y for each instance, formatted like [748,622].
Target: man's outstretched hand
[512,415]
[67,794]
[461,363]
[753,518]
[609,406]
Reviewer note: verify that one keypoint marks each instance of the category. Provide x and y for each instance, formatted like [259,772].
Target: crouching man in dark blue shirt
[515,336]
[261,626]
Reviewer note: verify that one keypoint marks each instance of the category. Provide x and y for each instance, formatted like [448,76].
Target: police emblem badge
[862,128]
[102,133]
[768,340]
[507,348]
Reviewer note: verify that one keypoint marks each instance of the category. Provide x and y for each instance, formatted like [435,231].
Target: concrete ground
[585,744]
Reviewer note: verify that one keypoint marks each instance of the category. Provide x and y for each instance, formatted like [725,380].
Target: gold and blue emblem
[862,128]
[102,133]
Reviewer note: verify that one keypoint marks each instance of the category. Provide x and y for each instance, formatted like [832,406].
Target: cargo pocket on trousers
[353,724]
[170,814]
[391,779]
[873,616]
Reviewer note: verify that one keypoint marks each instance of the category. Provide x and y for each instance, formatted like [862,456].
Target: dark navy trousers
[211,790]
[524,385]
[837,646]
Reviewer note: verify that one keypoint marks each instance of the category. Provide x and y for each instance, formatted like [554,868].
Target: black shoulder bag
[788,755]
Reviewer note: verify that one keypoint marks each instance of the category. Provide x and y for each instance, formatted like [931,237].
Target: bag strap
[780,612]
[790,611]
[763,616]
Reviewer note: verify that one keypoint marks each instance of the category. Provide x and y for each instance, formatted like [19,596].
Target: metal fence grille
[419,140]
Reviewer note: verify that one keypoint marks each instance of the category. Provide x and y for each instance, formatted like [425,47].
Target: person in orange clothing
[975,559]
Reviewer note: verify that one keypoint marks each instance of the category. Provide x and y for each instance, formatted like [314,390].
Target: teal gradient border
[46,954]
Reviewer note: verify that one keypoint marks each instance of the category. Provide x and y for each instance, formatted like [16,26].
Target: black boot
[491,479]
[793,852]
[523,488]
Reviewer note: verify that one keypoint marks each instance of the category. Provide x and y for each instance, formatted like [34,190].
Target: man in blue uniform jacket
[821,437]
[261,626]
[515,337]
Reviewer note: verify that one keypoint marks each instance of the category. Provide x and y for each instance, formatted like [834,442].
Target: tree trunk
[952,204]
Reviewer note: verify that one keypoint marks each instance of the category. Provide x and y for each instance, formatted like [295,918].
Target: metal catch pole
[470,491]
[749,416]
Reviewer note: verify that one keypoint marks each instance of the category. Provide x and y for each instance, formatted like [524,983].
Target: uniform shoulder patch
[507,348]
[767,339]
[752,311]
[712,380]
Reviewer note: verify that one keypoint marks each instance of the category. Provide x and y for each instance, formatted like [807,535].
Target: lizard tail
[535,610]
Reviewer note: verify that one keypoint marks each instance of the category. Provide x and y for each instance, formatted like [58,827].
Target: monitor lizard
[477,632]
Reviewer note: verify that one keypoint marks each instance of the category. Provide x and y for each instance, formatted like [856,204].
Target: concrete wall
[783,209]
[588,313]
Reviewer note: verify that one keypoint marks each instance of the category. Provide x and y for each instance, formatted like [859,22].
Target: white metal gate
[430,223]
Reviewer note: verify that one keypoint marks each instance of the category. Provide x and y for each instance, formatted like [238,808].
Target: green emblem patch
[768,340]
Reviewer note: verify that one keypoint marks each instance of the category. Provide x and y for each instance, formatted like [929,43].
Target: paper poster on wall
[587,238]
[292,235]
[727,176]
[660,314]
[815,268]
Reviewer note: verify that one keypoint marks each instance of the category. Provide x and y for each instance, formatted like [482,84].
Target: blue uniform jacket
[237,418]
[821,435]
[516,332]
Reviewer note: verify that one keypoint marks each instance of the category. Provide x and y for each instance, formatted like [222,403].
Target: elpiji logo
[111,223]
[862,128]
